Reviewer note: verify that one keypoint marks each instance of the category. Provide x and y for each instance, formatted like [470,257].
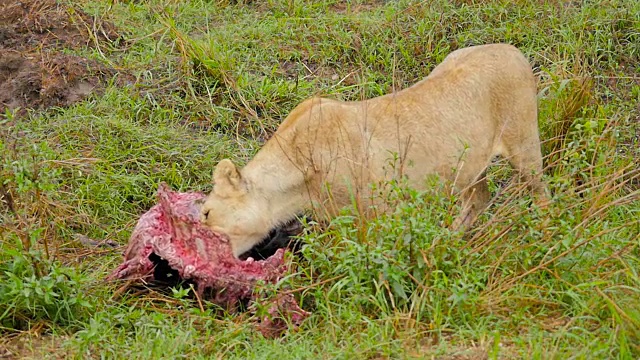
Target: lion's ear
[227,179]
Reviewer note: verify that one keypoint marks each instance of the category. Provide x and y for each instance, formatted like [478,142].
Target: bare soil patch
[35,71]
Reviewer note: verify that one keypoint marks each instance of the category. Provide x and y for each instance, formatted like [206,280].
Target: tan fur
[479,103]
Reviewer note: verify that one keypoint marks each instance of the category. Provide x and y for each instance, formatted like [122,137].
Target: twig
[122,289]
[197,297]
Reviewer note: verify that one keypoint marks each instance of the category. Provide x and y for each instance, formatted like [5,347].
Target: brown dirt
[30,345]
[34,71]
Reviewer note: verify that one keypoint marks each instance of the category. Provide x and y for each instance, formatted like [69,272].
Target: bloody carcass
[170,242]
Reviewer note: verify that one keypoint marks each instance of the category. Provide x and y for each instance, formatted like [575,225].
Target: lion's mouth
[281,237]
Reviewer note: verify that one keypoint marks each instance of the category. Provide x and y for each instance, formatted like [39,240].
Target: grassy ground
[214,78]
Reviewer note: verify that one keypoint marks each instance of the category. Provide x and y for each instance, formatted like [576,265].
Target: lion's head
[232,210]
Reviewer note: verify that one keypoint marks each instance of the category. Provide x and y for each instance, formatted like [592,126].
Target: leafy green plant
[388,262]
[33,289]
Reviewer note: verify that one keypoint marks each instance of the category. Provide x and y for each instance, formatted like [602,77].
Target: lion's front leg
[474,200]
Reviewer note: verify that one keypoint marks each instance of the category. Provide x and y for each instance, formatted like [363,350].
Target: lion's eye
[206,214]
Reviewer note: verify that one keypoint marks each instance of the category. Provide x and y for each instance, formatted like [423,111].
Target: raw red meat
[171,231]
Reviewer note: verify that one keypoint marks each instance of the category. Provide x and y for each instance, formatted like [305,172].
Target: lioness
[478,103]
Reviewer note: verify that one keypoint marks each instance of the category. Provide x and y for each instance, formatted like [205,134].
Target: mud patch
[35,72]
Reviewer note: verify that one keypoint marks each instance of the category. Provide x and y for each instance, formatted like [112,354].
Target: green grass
[214,78]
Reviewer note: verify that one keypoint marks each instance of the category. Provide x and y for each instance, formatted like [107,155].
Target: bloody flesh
[171,231]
